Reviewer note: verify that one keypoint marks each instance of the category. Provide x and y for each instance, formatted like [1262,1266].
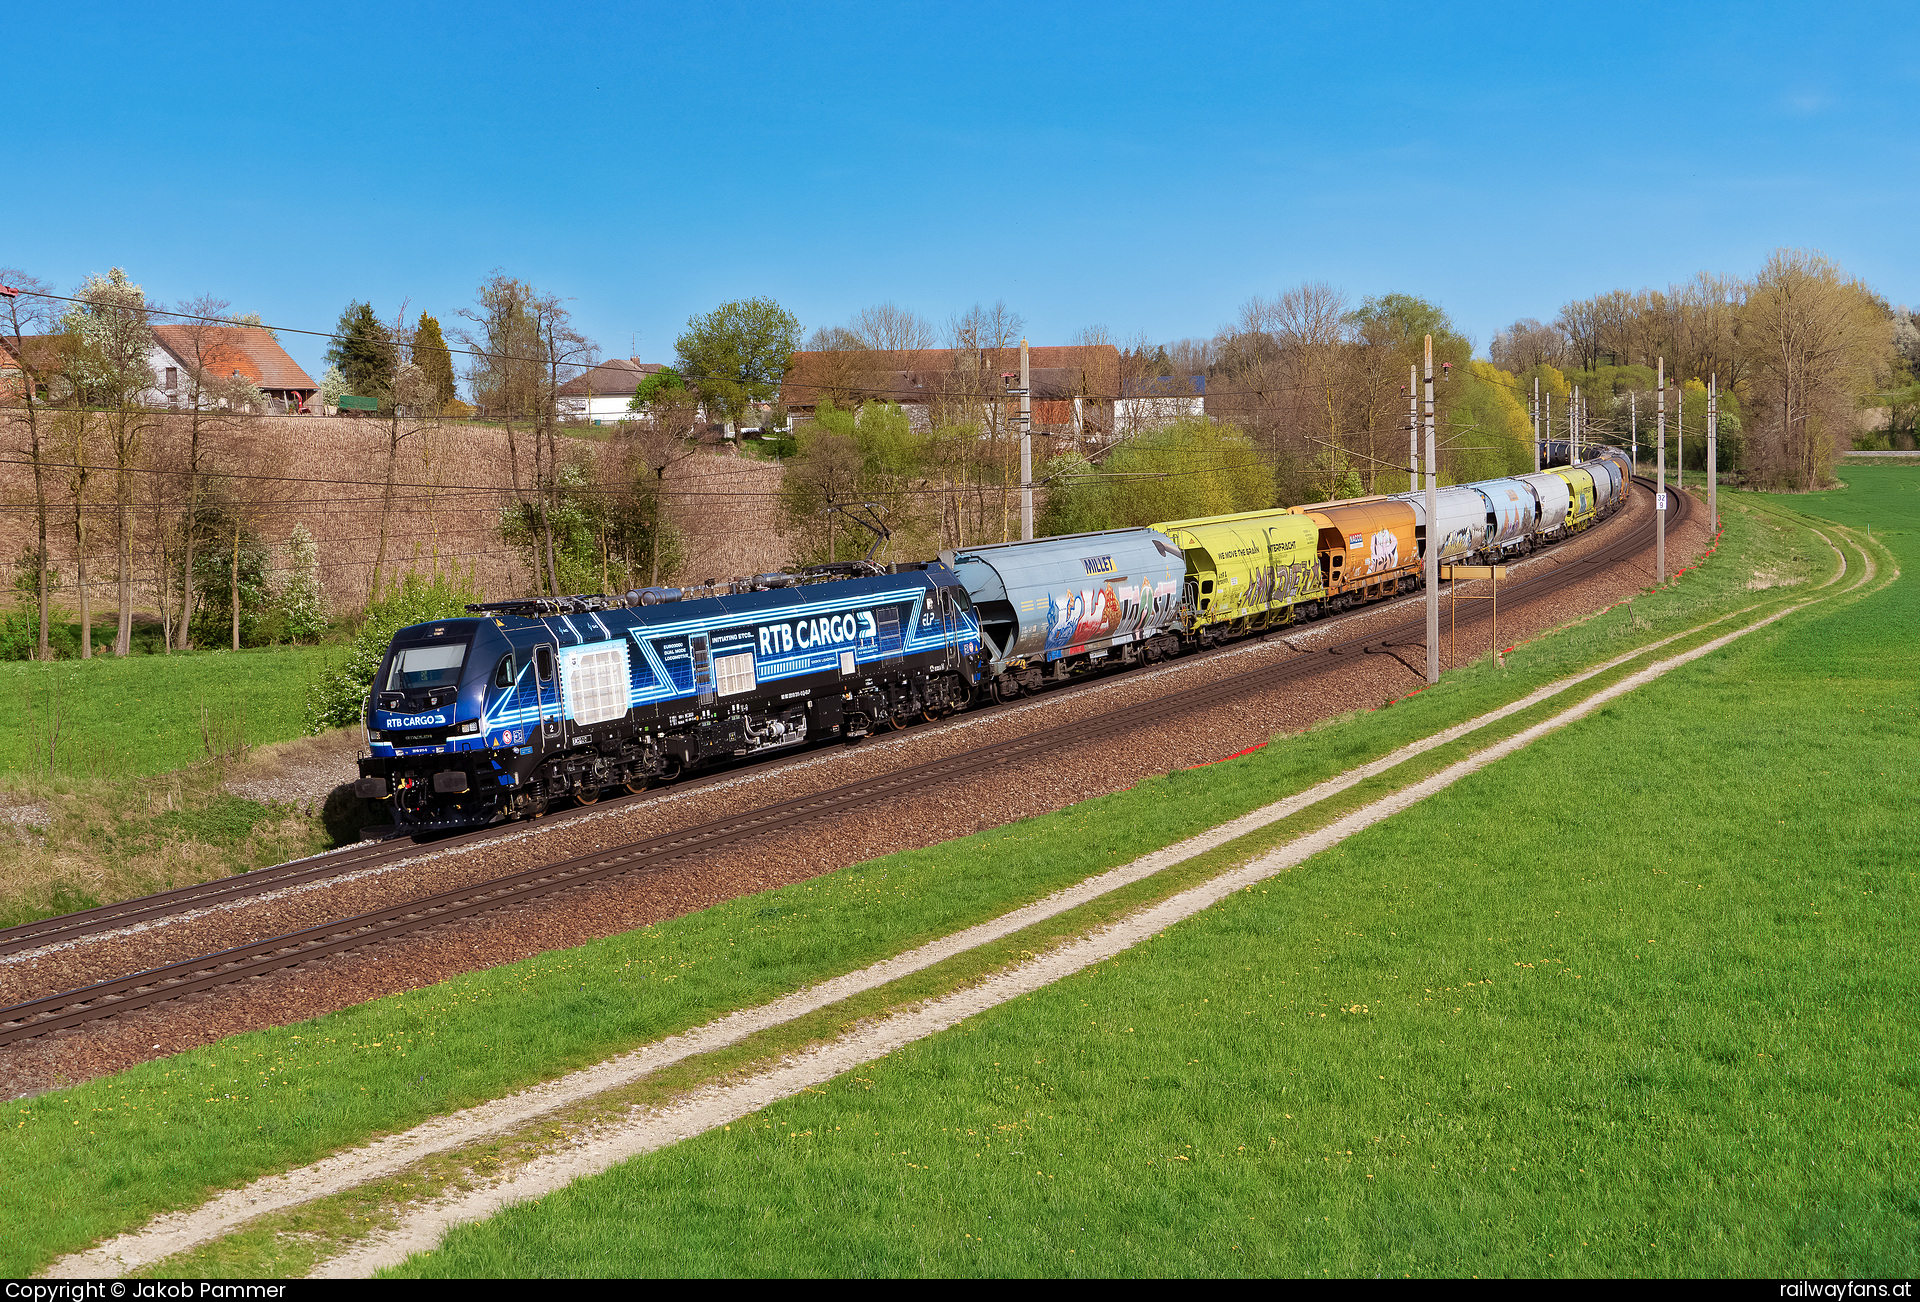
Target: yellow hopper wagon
[1249,571]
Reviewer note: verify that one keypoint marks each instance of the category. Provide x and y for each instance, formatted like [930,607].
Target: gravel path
[636,899]
[386,1156]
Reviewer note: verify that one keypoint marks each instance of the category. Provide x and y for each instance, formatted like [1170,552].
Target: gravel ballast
[926,816]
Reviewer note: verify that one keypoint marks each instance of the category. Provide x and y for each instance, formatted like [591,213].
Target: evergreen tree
[363,351]
[431,355]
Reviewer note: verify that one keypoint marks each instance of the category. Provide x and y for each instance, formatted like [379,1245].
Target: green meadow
[104,1156]
[1639,1001]
[122,764]
[148,714]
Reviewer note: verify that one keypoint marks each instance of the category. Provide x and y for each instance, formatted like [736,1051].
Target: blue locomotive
[492,717]
[476,720]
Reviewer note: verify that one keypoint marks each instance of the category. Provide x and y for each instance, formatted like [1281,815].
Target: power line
[978,395]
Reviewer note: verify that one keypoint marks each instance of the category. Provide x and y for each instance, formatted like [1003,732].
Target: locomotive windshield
[418,667]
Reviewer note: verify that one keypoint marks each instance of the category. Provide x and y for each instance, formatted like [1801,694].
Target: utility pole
[1547,427]
[1413,429]
[1680,436]
[1713,453]
[1633,430]
[1433,534]
[1573,428]
[1536,424]
[1026,446]
[1660,494]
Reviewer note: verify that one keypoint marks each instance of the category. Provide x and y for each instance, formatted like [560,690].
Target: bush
[20,634]
[338,698]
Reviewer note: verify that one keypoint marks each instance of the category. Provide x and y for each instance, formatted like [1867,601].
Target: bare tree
[563,353]
[1309,322]
[1191,356]
[26,317]
[203,341]
[890,328]
[73,430]
[972,391]
[412,406]
[504,376]
[114,343]
[1814,340]
[652,449]
[1528,343]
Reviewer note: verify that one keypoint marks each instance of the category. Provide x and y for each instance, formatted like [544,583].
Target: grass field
[265,1101]
[120,764]
[158,1135]
[147,714]
[1680,1042]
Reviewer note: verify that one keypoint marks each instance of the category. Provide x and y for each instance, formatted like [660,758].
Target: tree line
[164,500]
[1301,396]
[78,380]
[1808,360]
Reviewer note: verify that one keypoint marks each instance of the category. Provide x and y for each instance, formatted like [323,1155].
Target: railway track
[140,990]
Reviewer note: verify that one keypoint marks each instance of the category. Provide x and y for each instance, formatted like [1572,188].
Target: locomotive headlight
[373,734]
[471,725]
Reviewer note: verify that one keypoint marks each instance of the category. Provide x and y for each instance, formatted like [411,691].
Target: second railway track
[114,997]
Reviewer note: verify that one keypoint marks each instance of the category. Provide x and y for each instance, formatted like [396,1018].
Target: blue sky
[1147,168]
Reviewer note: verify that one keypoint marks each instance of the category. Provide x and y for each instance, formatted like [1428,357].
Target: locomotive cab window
[543,659]
[503,672]
[416,668]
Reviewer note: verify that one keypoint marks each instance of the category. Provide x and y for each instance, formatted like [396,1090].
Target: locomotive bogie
[479,719]
[570,704]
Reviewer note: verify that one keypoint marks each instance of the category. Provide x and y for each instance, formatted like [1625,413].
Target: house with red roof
[1073,386]
[224,353]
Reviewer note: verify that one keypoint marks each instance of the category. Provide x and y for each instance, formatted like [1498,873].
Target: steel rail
[67,927]
[109,998]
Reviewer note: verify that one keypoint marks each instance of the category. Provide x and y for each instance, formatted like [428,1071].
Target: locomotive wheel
[636,785]
[586,794]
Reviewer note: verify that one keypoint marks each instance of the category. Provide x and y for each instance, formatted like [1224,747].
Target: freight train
[500,714]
